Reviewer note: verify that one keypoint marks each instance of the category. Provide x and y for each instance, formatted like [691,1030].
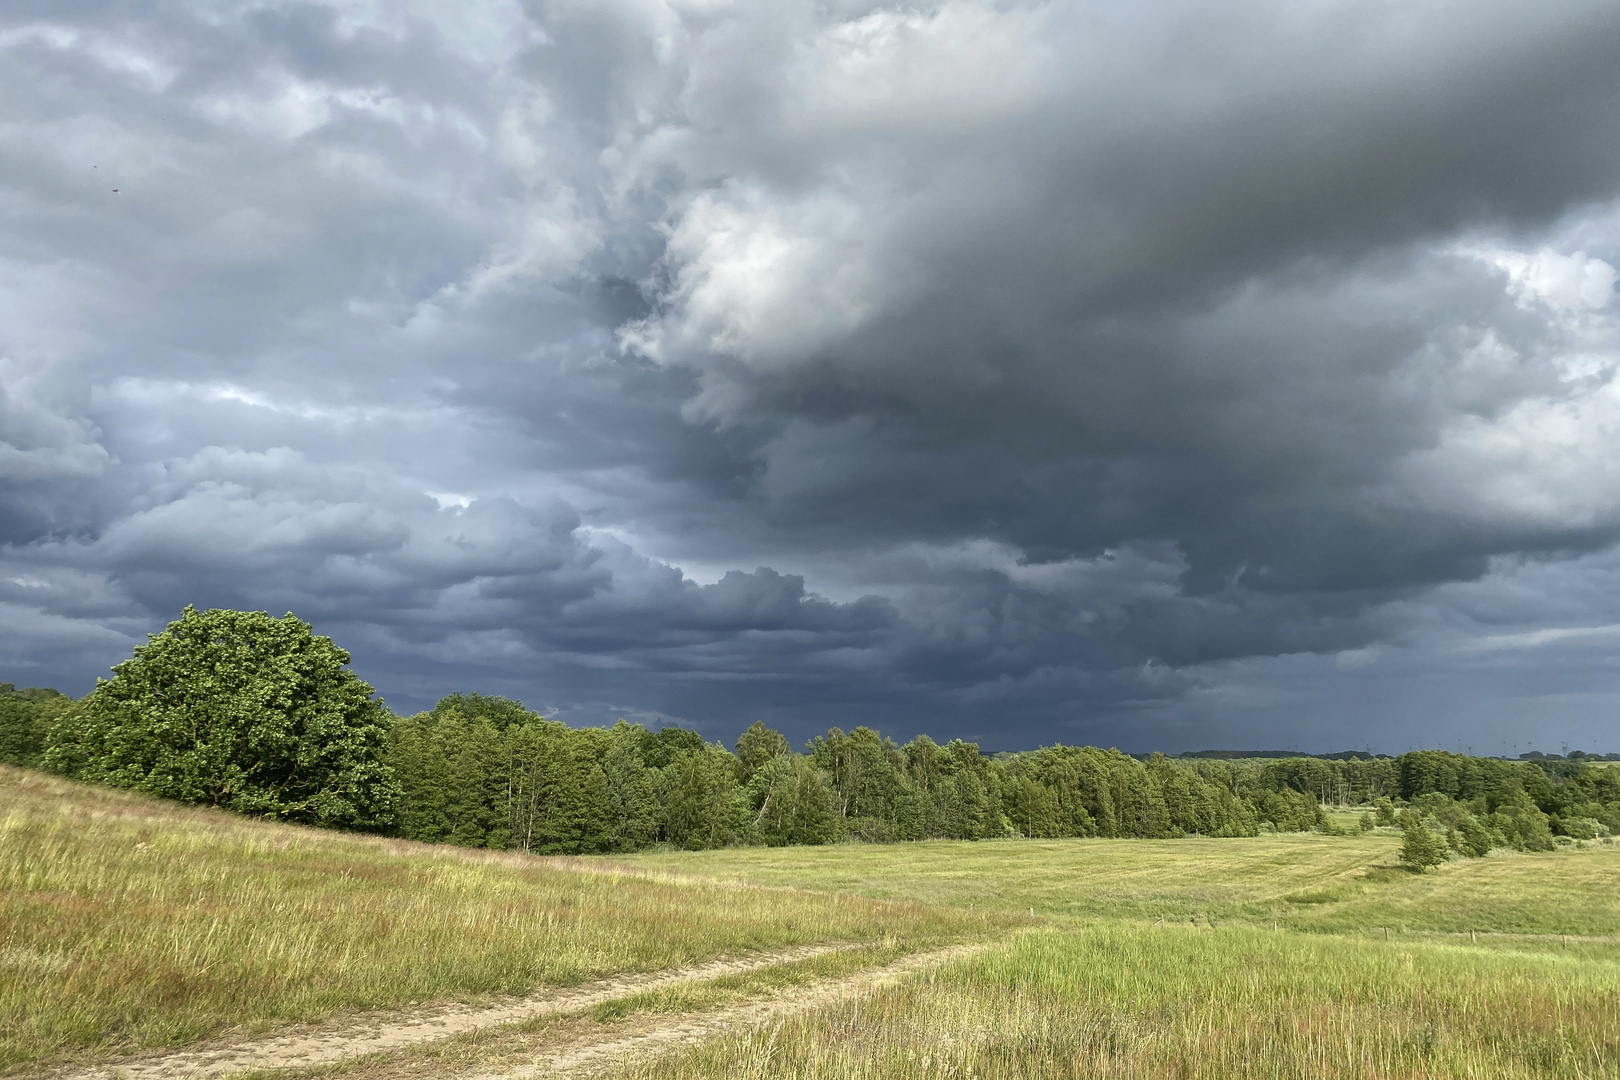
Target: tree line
[484,771]
[259,715]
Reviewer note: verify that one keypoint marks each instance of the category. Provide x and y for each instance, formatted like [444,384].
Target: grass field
[1304,881]
[1134,1000]
[1281,956]
[127,922]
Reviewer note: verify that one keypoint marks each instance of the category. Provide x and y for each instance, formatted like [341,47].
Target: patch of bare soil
[582,1052]
[322,1045]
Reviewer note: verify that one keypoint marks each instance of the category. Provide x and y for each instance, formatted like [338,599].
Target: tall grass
[126,922]
[1128,1000]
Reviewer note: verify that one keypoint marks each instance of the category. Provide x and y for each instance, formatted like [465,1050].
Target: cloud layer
[1173,375]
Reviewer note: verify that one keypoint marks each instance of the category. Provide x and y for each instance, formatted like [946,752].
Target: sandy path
[593,1054]
[393,1030]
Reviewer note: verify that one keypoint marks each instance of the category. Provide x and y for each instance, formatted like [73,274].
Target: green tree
[26,717]
[502,712]
[575,811]
[703,806]
[420,750]
[1420,847]
[756,746]
[238,710]
[1474,839]
[473,803]
[633,789]
[794,803]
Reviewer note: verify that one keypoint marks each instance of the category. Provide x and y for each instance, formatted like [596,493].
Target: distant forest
[486,772]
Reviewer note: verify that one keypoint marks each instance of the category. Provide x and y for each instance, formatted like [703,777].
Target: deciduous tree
[240,710]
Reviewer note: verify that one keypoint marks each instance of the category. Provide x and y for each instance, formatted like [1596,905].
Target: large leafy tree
[239,710]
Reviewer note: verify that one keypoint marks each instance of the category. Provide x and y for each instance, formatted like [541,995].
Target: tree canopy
[238,710]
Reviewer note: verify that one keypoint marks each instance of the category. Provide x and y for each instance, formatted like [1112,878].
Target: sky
[1173,375]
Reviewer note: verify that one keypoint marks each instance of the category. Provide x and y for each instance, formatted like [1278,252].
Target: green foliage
[793,802]
[239,710]
[1472,838]
[250,712]
[26,718]
[1581,828]
[1420,847]
[703,805]
[876,798]
[756,746]
[1289,810]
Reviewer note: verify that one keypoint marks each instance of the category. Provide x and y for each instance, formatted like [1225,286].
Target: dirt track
[577,1050]
[595,1052]
[396,1030]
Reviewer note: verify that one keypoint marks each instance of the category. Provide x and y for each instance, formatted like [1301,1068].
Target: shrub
[1474,839]
[1386,810]
[1421,847]
[1581,828]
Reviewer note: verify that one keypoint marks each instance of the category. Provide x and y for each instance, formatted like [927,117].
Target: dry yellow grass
[126,922]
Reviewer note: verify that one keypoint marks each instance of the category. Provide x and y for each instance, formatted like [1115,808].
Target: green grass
[1278,956]
[1306,881]
[1135,1000]
[126,922]
[724,990]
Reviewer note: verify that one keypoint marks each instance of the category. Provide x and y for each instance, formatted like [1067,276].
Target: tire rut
[330,1043]
[590,1055]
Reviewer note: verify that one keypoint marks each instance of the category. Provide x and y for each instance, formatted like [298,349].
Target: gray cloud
[1180,374]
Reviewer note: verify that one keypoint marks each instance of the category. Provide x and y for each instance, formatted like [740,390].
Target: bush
[1473,839]
[1581,828]
[1385,809]
[237,710]
[1420,847]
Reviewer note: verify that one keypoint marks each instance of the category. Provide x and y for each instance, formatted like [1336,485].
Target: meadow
[1162,1001]
[1304,881]
[128,922]
[1280,956]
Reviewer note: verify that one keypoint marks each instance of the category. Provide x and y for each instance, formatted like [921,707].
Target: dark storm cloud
[1174,373]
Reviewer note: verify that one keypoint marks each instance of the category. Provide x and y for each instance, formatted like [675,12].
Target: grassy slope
[128,922]
[1306,881]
